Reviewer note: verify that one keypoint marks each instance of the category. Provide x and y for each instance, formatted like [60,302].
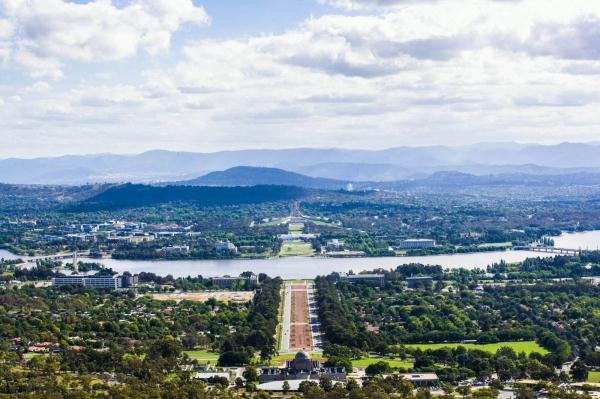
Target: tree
[380,367]
[579,371]
[250,374]
[325,383]
[524,392]
[286,387]
[352,384]
[464,390]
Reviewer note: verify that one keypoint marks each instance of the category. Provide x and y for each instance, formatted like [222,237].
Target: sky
[126,76]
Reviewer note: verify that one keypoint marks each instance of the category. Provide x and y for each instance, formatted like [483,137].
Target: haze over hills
[252,176]
[338,164]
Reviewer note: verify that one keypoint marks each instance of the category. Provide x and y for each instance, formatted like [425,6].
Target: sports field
[522,346]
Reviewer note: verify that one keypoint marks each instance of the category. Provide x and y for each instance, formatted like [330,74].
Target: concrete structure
[277,386]
[228,282]
[376,279]
[175,250]
[296,237]
[302,367]
[416,243]
[284,343]
[102,282]
[421,281]
[225,246]
[335,245]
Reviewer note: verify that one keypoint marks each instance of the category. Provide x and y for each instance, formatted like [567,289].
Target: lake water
[589,240]
[300,267]
[304,267]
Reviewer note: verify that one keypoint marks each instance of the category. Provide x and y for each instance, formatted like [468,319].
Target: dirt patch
[222,296]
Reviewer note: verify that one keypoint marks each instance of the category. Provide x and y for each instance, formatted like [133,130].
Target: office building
[415,243]
[101,282]
[228,282]
[376,279]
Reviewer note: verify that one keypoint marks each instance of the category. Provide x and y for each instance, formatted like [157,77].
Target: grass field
[296,248]
[206,356]
[496,245]
[524,346]
[365,361]
[594,376]
[295,229]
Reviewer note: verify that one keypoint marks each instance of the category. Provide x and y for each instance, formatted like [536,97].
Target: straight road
[284,345]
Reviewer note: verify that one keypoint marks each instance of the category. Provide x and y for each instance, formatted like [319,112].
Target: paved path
[284,345]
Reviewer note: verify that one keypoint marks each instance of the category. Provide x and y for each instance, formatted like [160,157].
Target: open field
[507,244]
[222,296]
[365,361]
[594,376]
[296,248]
[523,346]
[202,355]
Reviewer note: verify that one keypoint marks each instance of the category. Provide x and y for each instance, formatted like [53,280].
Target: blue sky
[128,76]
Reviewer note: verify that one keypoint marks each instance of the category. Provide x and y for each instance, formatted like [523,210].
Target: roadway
[284,344]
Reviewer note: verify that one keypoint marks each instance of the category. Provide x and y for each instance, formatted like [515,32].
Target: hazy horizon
[190,151]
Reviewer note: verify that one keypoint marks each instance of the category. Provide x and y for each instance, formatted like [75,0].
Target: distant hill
[453,179]
[252,176]
[336,164]
[139,195]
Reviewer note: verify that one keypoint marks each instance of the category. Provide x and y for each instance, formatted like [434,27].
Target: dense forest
[137,195]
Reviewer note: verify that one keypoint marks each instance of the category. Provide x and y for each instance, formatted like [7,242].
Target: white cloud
[409,73]
[44,34]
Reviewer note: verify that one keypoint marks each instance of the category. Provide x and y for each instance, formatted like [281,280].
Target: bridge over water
[553,250]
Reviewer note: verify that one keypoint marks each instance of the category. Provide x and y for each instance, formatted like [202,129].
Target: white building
[102,282]
[225,246]
[416,243]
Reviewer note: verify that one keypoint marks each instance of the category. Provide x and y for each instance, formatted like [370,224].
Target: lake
[303,267]
[589,240]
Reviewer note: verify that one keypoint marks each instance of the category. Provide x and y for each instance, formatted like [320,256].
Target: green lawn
[594,376]
[365,361]
[202,355]
[496,245]
[524,346]
[296,248]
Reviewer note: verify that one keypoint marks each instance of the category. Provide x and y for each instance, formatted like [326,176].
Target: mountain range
[340,165]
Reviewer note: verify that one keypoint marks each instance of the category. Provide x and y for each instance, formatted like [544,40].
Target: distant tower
[75,268]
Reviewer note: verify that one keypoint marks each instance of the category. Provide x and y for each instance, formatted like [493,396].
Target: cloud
[389,74]
[44,34]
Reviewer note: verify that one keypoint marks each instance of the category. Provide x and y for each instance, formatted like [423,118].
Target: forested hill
[251,176]
[138,195]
